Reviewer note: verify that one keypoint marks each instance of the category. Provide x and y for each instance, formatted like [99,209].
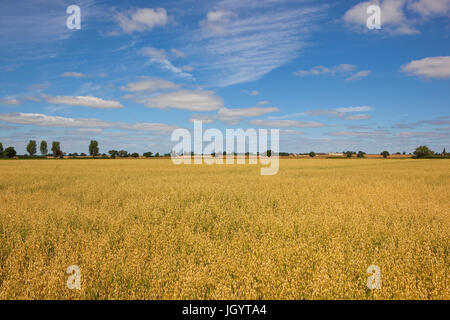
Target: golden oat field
[147,229]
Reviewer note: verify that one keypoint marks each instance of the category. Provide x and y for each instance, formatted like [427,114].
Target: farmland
[147,229]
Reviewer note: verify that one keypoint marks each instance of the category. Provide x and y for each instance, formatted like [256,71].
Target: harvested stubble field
[148,229]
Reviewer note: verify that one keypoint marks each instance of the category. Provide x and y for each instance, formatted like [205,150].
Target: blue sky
[136,70]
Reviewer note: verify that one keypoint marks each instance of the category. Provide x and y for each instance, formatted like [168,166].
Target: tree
[1,147]
[348,154]
[56,149]
[113,153]
[444,153]
[122,153]
[361,154]
[135,155]
[312,154]
[157,154]
[93,148]
[43,148]
[385,154]
[31,147]
[148,154]
[10,152]
[423,151]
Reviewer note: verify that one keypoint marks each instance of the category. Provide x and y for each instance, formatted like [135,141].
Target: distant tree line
[94,151]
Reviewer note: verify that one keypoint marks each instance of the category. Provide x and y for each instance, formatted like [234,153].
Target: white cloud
[178,53]
[43,120]
[86,131]
[355,109]
[286,123]
[359,133]
[289,132]
[146,126]
[149,85]
[341,69]
[359,75]
[193,100]
[90,125]
[324,112]
[84,101]
[421,134]
[30,98]
[263,102]
[154,53]
[432,67]
[398,17]
[159,57]
[233,116]
[217,21]
[201,117]
[431,7]
[73,75]
[393,18]
[187,68]
[9,101]
[358,117]
[80,75]
[251,93]
[342,113]
[318,70]
[144,19]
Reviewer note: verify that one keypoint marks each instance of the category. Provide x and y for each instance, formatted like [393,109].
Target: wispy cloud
[286,124]
[73,75]
[440,121]
[178,53]
[355,109]
[342,113]
[318,70]
[9,101]
[376,133]
[239,42]
[358,117]
[359,75]
[159,57]
[341,69]
[251,93]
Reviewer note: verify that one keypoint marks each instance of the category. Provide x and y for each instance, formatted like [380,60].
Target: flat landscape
[147,229]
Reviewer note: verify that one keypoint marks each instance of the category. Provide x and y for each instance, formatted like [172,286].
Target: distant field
[152,230]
